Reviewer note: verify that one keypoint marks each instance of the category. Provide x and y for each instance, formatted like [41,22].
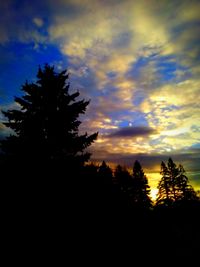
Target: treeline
[132,187]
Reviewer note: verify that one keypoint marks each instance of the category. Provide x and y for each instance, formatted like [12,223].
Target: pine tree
[105,174]
[123,184]
[174,185]
[122,177]
[140,190]
[46,124]
[164,186]
[105,186]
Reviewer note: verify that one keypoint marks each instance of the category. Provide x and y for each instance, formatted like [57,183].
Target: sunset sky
[138,62]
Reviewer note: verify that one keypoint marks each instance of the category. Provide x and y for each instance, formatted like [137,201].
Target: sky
[138,62]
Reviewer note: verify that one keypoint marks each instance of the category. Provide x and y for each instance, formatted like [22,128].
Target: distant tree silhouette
[89,186]
[105,174]
[105,185]
[164,186]
[122,177]
[140,190]
[90,171]
[123,181]
[174,185]
[46,124]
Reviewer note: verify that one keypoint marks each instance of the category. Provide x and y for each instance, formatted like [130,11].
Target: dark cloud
[132,132]
[151,162]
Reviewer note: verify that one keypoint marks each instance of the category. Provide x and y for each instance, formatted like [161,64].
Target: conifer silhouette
[174,185]
[46,124]
[140,190]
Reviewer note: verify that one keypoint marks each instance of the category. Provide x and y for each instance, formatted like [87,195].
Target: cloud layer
[131,132]
[138,62]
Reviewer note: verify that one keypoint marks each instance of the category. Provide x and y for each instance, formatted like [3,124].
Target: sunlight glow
[153,179]
[154,192]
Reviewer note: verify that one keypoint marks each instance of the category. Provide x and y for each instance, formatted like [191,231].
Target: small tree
[105,185]
[164,186]
[123,184]
[122,177]
[105,174]
[140,191]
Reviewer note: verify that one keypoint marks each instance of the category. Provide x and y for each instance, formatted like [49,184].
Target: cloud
[132,132]
[116,36]
[4,131]
[38,22]
[17,25]
[138,62]
[174,110]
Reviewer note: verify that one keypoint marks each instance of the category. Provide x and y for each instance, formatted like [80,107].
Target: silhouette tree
[140,189]
[88,187]
[122,177]
[105,185]
[46,124]
[174,185]
[123,184]
[105,174]
[164,186]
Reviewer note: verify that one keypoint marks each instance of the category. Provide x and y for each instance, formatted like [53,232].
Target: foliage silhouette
[105,173]
[44,157]
[140,191]
[122,177]
[105,185]
[46,125]
[123,180]
[174,185]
